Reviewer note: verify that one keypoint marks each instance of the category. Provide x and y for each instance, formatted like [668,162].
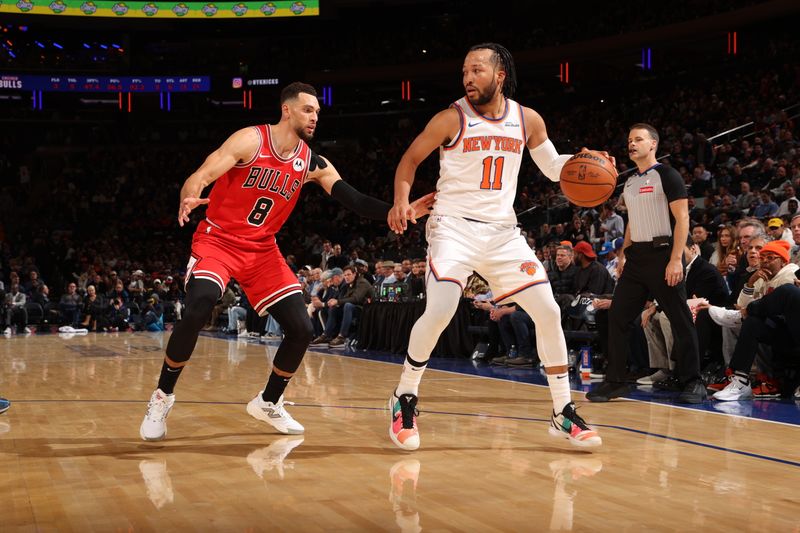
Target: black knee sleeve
[201,295]
[293,319]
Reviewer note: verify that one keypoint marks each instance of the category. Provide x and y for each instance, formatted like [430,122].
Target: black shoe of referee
[608,390]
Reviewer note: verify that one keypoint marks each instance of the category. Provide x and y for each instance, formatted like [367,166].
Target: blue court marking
[452,413]
[783,411]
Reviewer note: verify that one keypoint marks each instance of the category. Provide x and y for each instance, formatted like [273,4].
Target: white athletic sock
[559,390]
[412,375]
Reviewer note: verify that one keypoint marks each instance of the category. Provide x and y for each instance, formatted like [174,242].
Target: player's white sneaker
[154,425]
[272,457]
[275,415]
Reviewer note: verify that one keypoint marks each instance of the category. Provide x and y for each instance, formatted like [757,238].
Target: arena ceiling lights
[163,10]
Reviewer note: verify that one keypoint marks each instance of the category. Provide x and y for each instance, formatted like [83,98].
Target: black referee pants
[643,277]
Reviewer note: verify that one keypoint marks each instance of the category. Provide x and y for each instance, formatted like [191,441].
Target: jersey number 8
[260,211]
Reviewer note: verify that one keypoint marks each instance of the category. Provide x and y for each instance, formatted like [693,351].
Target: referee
[658,226]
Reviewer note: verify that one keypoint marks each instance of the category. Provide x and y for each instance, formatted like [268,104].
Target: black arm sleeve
[359,203]
[673,185]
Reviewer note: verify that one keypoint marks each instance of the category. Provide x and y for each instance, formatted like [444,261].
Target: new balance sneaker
[727,318]
[157,480]
[275,415]
[734,391]
[659,375]
[154,425]
[403,421]
[4,405]
[272,457]
[569,425]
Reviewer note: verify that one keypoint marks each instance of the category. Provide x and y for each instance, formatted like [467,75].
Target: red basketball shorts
[260,269]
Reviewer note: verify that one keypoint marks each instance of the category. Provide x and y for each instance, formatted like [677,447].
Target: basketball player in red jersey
[259,172]
[482,138]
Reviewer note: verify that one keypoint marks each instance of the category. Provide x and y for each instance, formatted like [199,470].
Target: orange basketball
[588,179]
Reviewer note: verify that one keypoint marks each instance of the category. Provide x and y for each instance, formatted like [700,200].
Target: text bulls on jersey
[269,179]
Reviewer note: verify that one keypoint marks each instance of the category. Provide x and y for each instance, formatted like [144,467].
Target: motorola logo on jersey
[269,179]
[299,165]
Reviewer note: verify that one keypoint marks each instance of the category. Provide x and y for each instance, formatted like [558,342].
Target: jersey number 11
[489,181]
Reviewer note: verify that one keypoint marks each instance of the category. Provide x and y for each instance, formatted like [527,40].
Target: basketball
[588,179]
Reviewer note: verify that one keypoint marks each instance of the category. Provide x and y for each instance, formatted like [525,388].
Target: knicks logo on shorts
[529,267]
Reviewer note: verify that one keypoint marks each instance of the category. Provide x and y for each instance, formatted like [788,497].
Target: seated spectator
[417,278]
[746,198]
[226,301]
[591,277]
[766,206]
[562,278]
[42,297]
[611,224]
[609,254]
[94,310]
[777,230]
[136,286]
[786,205]
[70,306]
[117,315]
[317,304]
[14,310]
[724,248]
[118,291]
[174,297]
[771,320]
[345,308]
[700,238]
[363,270]
[32,284]
[153,315]
[794,225]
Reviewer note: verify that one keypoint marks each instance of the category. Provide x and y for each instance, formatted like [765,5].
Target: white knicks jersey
[479,168]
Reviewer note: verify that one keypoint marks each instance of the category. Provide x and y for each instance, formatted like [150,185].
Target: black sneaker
[520,362]
[671,384]
[693,392]
[607,390]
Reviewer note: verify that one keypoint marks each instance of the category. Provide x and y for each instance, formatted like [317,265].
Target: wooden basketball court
[71,458]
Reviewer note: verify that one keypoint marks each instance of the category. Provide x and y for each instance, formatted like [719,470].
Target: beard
[484,97]
[301,132]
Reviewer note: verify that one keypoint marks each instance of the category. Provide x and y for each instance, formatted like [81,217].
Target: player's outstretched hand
[422,207]
[186,207]
[398,215]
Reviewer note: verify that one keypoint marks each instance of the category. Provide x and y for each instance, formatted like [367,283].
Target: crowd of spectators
[87,208]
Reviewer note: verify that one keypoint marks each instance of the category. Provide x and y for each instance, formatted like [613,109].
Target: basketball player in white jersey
[482,138]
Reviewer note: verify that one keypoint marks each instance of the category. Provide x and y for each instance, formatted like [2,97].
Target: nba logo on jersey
[299,165]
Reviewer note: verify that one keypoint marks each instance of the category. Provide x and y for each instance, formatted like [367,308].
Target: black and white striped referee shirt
[647,197]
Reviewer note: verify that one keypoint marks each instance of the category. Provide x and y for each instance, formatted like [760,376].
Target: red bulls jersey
[254,198]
